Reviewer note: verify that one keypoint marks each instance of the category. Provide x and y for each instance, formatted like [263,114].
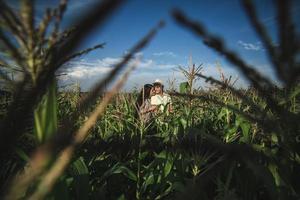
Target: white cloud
[138,78]
[250,46]
[165,53]
[88,73]
[108,61]
[83,70]
[146,63]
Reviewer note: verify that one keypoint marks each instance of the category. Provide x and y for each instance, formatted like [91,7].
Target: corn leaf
[45,115]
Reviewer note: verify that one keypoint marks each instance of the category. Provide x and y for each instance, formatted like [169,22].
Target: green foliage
[45,115]
[125,159]
[184,87]
[225,144]
[149,166]
[79,179]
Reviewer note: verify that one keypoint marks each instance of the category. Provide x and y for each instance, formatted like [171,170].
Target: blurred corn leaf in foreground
[45,115]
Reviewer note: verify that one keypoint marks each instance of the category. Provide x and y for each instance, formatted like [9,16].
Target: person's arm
[150,109]
[170,107]
[143,110]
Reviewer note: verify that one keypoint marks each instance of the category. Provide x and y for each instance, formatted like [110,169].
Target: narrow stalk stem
[138,186]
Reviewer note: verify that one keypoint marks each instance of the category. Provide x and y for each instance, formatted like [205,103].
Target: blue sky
[173,45]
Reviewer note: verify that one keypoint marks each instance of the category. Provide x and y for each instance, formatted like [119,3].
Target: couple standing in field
[153,100]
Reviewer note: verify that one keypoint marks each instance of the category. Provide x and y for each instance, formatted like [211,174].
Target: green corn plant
[184,87]
[190,74]
[38,52]
[275,117]
[45,115]
[206,149]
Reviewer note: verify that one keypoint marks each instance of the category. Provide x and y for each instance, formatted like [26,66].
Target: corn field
[221,143]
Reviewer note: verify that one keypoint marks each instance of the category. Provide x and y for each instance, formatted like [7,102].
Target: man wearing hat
[160,100]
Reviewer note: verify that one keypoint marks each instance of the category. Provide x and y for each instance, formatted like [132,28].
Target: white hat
[158,81]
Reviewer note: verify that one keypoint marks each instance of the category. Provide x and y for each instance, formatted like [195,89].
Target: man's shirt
[161,101]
